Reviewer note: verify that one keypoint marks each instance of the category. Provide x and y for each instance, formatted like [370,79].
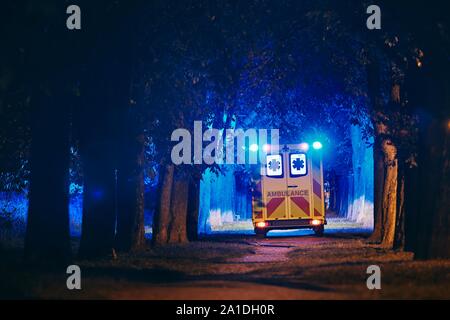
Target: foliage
[13,208]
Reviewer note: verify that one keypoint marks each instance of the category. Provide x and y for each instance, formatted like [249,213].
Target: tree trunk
[98,144]
[433,224]
[193,209]
[412,195]
[333,194]
[48,237]
[130,192]
[342,192]
[389,193]
[399,240]
[50,77]
[106,93]
[99,211]
[162,214]
[130,184]
[440,236]
[374,79]
[204,215]
[178,209]
[379,178]
[428,235]
[385,160]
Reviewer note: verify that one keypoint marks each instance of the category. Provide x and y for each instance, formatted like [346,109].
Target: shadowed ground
[286,265]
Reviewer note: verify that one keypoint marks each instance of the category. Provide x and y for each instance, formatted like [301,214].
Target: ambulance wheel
[261,233]
[319,230]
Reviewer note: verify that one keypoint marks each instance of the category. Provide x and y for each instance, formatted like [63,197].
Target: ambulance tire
[319,230]
[261,234]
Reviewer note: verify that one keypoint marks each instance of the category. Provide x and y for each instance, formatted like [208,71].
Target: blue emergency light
[317,145]
[254,147]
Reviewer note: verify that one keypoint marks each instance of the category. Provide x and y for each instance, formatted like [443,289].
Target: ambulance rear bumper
[291,224]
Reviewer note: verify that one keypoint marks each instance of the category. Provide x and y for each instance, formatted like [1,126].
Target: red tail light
[261,224]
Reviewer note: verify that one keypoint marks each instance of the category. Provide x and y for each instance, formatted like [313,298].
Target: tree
[427,178]
[417,61]
[113,184]
[51,82]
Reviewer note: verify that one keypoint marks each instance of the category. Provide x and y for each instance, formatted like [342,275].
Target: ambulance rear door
[273,177]
[299,187]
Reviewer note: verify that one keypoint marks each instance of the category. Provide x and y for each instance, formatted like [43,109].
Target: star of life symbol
[274,165]
[298,164]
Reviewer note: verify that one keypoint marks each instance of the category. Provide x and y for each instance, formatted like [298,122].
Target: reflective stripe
[317,189]
[272,205]
[302,203]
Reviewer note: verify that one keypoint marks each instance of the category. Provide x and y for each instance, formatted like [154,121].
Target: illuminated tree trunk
[170,221]
[178,210]
[389,194]
[204,224]
[385,156]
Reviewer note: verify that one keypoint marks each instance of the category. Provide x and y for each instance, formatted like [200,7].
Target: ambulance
[288,193]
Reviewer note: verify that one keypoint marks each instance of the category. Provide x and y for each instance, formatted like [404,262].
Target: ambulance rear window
[274,165]
[297,164]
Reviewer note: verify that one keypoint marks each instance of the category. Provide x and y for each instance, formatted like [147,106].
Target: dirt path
[283,266]
[254,275]
[302,267]
[265,251]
